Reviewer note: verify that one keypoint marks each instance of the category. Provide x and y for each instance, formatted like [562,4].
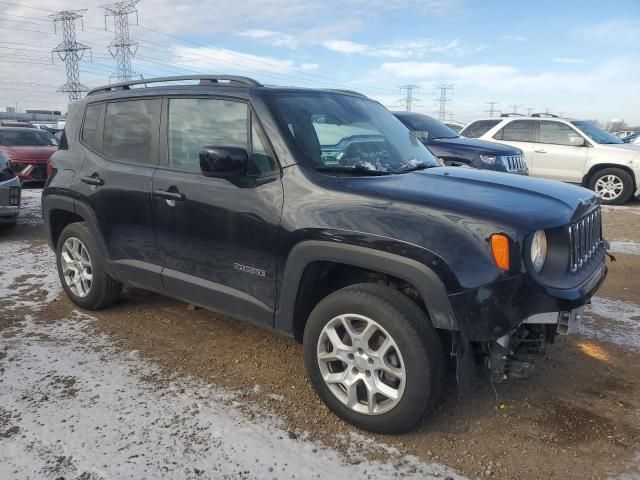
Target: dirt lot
[578,417]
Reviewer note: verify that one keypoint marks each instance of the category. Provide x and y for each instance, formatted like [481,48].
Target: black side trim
[420,276]
[217,297]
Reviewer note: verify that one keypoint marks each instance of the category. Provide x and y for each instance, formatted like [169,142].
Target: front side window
[556,133]
[518,131]
[478,128]
[195,123]
[129,131]
[595,133]
[90,125]
[335,132]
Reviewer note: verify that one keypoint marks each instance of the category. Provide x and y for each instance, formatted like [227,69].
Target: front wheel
[614,185]
[373,357]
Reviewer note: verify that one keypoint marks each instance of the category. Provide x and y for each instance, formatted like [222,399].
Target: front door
[553,155]
[217,237]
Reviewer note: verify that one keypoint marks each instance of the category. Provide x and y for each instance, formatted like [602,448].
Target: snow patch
[615,321]
[628,247]
[30,207]
[79,408]
[622,208]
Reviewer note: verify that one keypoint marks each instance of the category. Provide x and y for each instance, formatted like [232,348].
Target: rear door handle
[93,180]
[169,195]
[540,151]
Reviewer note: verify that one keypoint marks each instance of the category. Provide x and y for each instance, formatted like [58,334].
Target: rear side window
[90,125]
[518,131]
[129,131]
[556,133]
[478,128]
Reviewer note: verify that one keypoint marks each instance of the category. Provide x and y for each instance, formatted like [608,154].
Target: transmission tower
[70,51]
[409,100]
[515,108]
[529,110]
[122,48]
[442,101]
[492,108]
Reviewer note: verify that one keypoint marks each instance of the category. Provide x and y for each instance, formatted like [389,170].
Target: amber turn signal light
[500,250]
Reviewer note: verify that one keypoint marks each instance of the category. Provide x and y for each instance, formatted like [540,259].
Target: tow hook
[502,365]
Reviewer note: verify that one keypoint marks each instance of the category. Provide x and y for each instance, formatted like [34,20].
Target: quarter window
[556,133]
[261,160]
[195,123]
[518,131]
[479,128]
[129,131]
[90,126]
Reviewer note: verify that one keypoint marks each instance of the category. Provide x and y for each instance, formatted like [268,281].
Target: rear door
[553,155]
[120,148]
[217,238]
[520,134]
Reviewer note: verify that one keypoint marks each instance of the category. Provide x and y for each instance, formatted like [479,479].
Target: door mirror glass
[421,135]
[576,141]
[223,162]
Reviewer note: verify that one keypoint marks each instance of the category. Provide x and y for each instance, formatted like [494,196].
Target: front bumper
[30,172]
[489,312]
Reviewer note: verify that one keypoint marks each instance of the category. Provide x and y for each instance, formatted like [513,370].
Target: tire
[603,180]
[417,349]
[102,290]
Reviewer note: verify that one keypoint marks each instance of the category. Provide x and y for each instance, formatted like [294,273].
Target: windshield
[27,138]
[423,123]
[345,133]
[595,133]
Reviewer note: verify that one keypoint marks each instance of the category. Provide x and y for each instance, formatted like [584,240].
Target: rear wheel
[373,357]
[81,269]
[614,185]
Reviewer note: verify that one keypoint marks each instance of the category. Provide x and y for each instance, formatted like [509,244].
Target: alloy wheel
[609,187]
[361,364]
[77,269]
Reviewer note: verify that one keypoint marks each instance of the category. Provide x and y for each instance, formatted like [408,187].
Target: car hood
[38,154]
[514,200]
[471,144]
[628,150]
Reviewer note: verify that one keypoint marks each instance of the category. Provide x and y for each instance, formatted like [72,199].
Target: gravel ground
[153,389]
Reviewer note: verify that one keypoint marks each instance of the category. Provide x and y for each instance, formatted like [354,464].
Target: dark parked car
[317,213]
[455,150]
[9,194]
[28,150]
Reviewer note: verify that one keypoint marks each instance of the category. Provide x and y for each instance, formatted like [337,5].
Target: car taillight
[14,196]
[49,168]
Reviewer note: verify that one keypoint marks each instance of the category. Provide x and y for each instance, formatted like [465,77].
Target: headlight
[539,250]
[488,159]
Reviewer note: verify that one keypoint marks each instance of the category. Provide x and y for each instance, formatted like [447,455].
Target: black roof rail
[222,80]
[512,115]
[352,92]
[544,114]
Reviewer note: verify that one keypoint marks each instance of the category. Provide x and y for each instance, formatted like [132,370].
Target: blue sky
[581,58]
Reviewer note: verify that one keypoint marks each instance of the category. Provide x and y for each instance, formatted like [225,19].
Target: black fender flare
[424,279]
[54,202]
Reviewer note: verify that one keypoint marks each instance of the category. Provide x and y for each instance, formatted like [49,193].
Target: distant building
[39,115]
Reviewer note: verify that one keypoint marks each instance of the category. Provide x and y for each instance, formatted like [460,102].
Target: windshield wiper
[356,169]
[413,168]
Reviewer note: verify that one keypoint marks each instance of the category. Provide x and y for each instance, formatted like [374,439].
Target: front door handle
[169,195]
[540,151]
[93,180]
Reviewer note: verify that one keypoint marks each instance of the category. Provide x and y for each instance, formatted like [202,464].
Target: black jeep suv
[317,213]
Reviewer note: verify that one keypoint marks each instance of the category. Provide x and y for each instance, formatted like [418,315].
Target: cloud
[418,47]
[277,39]
[514,38]
[617,31]
[309,66]
[221,59]
[568,60]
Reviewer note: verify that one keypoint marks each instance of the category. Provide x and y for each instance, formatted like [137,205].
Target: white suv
[575,151]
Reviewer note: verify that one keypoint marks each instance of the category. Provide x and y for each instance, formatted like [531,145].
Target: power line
[492,108]
[409,100]
[443,100]
[122,48]
[70,51]
[515,107]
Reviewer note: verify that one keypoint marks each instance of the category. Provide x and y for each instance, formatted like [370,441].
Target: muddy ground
[577,417]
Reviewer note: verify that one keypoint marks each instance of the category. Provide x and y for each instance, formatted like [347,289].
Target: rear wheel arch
[314,269]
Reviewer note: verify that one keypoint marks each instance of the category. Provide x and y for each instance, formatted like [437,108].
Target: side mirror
[576,141]
[421,135]
[223,162]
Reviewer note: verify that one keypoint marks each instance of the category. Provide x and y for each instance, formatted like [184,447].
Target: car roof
[20,129]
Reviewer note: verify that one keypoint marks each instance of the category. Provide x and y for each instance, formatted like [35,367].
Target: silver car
[10,190]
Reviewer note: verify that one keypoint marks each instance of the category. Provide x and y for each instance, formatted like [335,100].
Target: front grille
[585,237]
[39,172]
[514,163]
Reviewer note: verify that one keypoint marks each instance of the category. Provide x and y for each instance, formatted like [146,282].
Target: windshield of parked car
[424,123]
[27,138]
[336,132]
[595,133]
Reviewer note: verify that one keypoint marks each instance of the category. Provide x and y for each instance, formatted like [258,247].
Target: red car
[28,150]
